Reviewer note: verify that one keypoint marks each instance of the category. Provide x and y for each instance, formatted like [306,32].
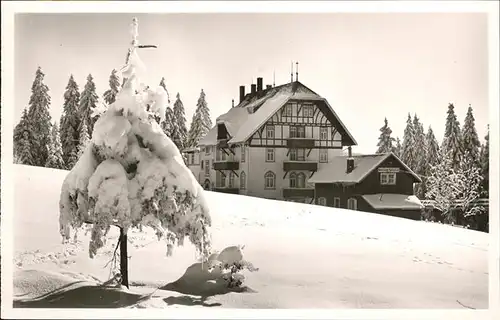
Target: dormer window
[388,178]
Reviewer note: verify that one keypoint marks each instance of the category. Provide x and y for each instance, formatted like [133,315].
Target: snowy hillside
[308,256]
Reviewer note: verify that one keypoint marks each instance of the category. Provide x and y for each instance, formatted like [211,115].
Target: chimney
[259,84]
[232,103]
[296,71]
[268,86]
[242,93]
[350,160]
[291,73]
[254,88]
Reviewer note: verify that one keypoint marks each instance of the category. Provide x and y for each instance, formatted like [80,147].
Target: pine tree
[55,159]
[88,103]
[485,165]
[201,123]
[385,140]
[432,148]
[40,119]
[168,123]
[179,132]
[84,138]
[452,141]
[407,151]
[22,141]
[397,148]
[114,86]
[70,121]
[470,141]
[419,158]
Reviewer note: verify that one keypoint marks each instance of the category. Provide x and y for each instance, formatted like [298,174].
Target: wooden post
[123,258]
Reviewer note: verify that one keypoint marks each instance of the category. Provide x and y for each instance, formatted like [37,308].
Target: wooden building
[379,183]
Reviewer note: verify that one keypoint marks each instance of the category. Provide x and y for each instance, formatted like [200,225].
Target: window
[322,201]
[202,164]
[301,180]
[301,154]
[270,132]
[388,178]
[336,202]
[243,180]
[288,110]
[323,155]
[352,204]
[308,111]
[207,167]
[293,180]
[243,153]
[231,180]
[292,133]
[207,150]
[222,180]
[293,154]
[269,155]
[270,180]
[323,133]
[301,132]
[192,158]
[223,155]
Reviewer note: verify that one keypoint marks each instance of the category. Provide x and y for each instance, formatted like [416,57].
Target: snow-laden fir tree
[470,186]
[201,123]
[114,86]
[432,148]
[70,122]
[470,140]
[485,165]
[168,122]
[444,185]
[385,141]
[55,159]
[179,132]
[40,119]
[407,150]
[88,104]
[397,148]
[132,174]
[22,141]
[84,139]
[452,141]
[420,155]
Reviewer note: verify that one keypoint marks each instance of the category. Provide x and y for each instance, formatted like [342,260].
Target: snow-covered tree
[114,86]
[432,148]
[70,122]
[168,121]
[420,155]
[84,139]
[179,132]
[40,119]
[88,103]
[407,150]
[55,159]
[485,165]
[385,141]
[470,183]
[452,141]
[444,185]
[397,148]
[201,123]
[132,174]
[470,140]
[22,141]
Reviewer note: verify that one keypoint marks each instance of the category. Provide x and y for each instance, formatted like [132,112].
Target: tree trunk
[123,258]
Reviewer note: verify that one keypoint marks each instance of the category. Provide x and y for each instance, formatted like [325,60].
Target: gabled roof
[335,170]
[246,118]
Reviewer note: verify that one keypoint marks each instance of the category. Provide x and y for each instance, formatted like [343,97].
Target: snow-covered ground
[308,256]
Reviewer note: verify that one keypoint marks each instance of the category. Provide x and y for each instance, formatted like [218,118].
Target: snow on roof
[393,201]
[335,170]
[243,120]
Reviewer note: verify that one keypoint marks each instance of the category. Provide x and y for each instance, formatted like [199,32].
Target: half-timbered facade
[271,143]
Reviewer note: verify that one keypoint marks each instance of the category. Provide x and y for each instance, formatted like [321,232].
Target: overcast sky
[367,65]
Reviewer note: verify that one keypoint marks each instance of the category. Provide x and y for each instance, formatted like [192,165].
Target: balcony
[226,165]
[306,143]
[289,165]
[222,143]
[227,190]
[289,193]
